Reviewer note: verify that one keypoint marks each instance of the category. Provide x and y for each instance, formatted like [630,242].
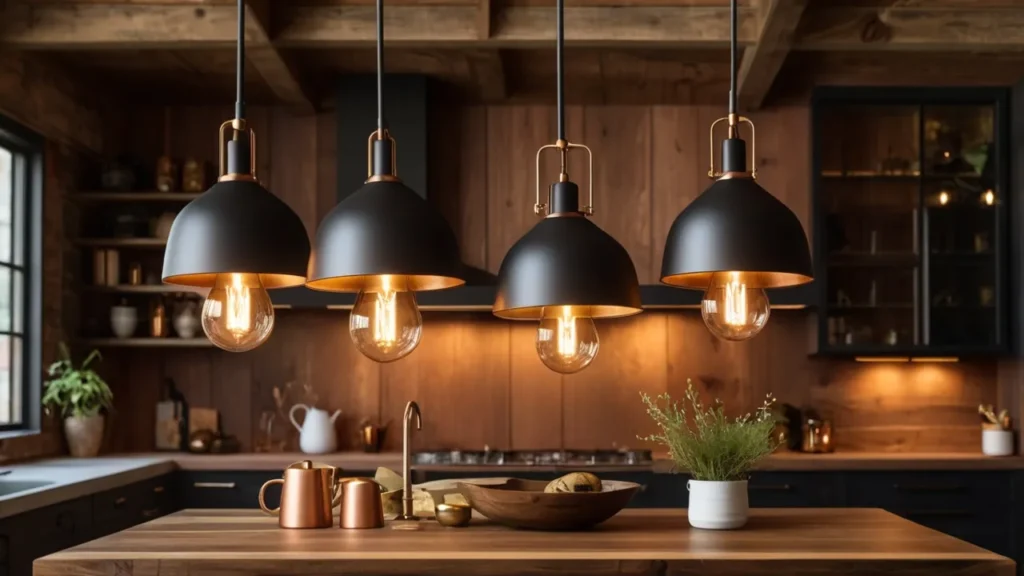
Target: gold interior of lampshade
[378,282]
[207,280]
[701,280]
[537,312]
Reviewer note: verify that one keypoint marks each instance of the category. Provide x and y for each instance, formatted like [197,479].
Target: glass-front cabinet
[910,226]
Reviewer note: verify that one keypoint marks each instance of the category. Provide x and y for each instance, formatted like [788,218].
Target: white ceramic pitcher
[316,435]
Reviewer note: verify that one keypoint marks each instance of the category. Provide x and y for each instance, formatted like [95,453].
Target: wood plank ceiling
[181,51]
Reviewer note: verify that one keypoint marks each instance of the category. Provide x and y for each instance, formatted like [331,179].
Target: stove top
[534,458]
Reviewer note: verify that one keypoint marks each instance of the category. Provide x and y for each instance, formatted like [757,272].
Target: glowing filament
[385,318]
[567,333]
[735,313]
[238,306]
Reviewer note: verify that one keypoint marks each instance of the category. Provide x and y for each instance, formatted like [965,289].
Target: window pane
[14,377]
[5,298]
[18,302]
[10,396]
[6,185]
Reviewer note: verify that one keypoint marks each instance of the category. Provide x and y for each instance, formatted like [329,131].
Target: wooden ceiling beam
[267,60]
[762,61]
[911,28]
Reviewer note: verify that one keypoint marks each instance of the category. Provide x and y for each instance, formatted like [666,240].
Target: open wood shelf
[140,289]
[123,242]
[153,196]
[169,342]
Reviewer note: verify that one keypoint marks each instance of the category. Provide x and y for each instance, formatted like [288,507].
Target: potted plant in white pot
[717,451]
[81,396]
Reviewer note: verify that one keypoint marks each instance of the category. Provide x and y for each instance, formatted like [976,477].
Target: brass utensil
[361,506]
[453,515]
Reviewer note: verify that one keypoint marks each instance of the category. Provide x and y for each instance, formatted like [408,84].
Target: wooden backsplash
[478,379]
[479,382]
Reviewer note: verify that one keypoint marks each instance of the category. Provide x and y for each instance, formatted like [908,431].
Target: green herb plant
[78,391]
[715,448]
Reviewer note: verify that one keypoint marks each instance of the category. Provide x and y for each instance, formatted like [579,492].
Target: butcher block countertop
[638,542]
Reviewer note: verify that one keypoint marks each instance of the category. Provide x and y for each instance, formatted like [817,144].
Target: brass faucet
[411,409]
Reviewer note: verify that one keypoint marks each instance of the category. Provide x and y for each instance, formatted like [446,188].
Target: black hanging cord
[240,64]
[732,57]
[381,126]
[559,49]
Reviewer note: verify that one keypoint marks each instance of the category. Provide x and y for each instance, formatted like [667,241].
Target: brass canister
[361,506]
[308,494]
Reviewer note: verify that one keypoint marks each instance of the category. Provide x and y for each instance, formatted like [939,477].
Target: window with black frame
[20,287]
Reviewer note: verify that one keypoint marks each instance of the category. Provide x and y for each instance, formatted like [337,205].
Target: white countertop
[70,478]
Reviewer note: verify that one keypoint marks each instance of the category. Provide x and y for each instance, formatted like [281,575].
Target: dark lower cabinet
[42,531]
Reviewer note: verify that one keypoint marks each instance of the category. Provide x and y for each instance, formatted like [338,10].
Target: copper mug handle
[263,490]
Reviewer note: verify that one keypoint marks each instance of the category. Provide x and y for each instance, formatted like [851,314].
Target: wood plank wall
[477,378]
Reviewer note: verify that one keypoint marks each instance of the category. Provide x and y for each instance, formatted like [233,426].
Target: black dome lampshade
[384,228]
[237,226]
[567,260]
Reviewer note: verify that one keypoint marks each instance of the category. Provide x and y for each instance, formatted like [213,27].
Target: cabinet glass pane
[962,199]
[870,189]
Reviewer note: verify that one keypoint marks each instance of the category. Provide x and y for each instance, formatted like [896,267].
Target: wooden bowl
[524,504]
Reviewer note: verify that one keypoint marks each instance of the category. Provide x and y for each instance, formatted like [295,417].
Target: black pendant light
[566,271]
[385,242]
[735,240]
[237,239]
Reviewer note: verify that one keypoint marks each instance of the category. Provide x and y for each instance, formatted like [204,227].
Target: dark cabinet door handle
[120,501]
[150,513]
[158,490]
[925,488]
[771,487]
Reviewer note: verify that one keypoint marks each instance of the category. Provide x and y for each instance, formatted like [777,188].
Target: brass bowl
[453,515]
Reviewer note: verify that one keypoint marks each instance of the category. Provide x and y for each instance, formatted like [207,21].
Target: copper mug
[361,506]
[308,494]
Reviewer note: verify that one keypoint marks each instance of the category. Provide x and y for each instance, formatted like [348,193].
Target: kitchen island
[636,542]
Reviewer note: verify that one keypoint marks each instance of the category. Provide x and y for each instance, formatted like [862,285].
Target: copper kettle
[308,494]
[361,506]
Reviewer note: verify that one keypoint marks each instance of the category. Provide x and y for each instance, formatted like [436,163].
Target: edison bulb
[238,314]
[989,197]
[385,323]
[943,198]
[566,342]
[733,310]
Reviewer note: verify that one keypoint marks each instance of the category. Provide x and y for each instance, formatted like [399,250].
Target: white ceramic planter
[123,321]
[997,442]
[718,505]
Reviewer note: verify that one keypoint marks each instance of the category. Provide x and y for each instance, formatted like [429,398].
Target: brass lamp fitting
[734,121]
[235,162]
[563,148]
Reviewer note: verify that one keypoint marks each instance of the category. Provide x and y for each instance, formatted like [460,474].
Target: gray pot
[84,435]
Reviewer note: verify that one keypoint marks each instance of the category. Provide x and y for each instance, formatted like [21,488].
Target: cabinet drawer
[225,489]
[794,490]
[982,492]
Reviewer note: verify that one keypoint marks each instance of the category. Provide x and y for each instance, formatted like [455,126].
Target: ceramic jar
[84,435]
[123,320]
[718,505]
[186,321]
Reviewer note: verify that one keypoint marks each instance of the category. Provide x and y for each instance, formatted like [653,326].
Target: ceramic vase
[84,435]
[123,321]
[718,505]
[186,322]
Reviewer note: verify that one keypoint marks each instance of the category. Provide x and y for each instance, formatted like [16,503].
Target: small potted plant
[81,396]
[717,451]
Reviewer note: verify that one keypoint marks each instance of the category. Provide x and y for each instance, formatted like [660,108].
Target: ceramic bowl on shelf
[524,504]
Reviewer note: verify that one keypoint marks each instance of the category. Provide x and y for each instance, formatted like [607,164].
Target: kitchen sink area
[14,487]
